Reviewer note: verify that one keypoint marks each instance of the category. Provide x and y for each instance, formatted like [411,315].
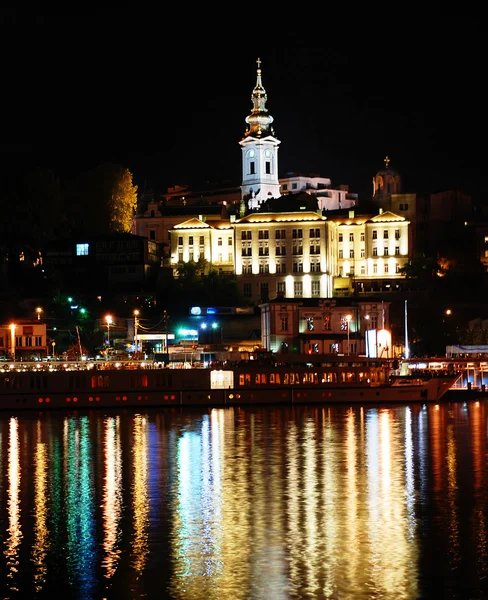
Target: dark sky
[168,98]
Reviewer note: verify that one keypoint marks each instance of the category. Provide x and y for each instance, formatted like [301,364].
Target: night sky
[168,98]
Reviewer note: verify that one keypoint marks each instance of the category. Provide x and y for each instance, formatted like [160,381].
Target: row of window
[220,257]
[191,241]
[280,234]
[386,252]
[26,341]
[252,168]
[281,289]
[309,377]
[386,235]
[279,251]
[297,267]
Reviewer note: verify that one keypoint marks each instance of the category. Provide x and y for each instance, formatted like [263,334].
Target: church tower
[386,182]
[259,152]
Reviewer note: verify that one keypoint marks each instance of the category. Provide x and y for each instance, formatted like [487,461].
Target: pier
[474,371]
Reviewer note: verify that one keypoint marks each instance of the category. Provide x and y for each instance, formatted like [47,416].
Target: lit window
[82,249]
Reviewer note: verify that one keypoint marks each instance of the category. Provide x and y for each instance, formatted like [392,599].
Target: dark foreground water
[242,504]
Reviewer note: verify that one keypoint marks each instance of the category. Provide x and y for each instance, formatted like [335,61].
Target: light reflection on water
[321,502]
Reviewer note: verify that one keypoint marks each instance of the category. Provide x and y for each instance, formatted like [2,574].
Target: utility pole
[79,342]
[166,349]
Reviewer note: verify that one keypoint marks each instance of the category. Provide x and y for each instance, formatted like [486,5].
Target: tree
[426,271]
[103,200]
[123,201]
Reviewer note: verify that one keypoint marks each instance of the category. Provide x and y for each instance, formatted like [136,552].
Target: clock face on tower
[251,153]
[267,153]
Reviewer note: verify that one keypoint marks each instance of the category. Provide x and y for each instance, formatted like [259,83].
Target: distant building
[115,260]
[342,326]
[24,339]
[294,237]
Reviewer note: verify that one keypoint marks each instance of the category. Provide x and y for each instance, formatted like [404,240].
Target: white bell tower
[259,152]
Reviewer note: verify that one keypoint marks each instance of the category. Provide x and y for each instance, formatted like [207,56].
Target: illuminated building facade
[24,339]
[330,326]
[293,237]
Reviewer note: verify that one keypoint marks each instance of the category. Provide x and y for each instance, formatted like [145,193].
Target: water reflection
[112,496]
[14,537]
[41,532]
[306,503]
[80,507]
[140,549]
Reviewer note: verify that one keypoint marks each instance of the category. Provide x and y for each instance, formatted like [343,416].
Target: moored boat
[288,380]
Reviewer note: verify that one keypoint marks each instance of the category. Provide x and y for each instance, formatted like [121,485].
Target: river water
[322,502]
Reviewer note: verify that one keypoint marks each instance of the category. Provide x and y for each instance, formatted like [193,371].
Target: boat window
[241,379]
[271,378]
[286,379]
[248,378]
[277,378]
[257,378]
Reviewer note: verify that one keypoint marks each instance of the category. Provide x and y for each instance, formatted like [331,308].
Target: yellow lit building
[23,339]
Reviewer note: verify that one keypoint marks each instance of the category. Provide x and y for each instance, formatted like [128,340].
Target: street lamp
[12,339]
[53,344]
[136,323]
[166,349]
[446,328]
[108,319]
[348,321]
[38,311]
[366,335]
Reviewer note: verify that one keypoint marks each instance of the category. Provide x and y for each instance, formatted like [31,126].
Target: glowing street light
[348,321]
[109,322]
[38,311]
[136,323]
[12,339]
[366,335]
